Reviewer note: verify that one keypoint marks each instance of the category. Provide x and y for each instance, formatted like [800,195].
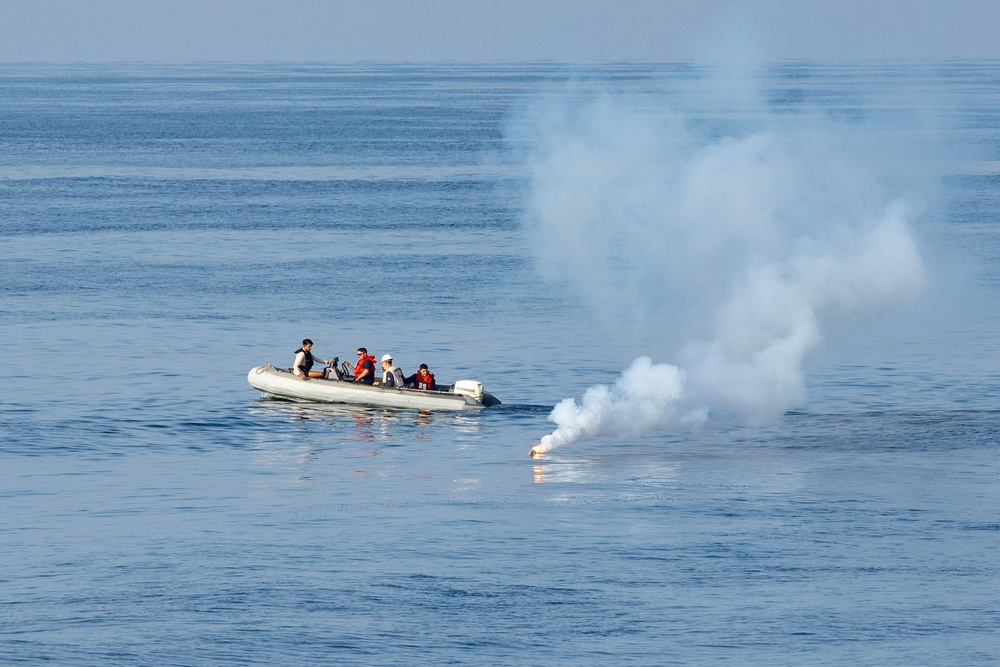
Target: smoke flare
[727,247]
[646,396]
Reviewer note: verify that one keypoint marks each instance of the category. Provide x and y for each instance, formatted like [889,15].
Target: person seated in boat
[304,361]
[391,375]
[422,379]
[364,370]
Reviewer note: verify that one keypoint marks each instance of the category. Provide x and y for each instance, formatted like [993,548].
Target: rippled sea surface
[164,229]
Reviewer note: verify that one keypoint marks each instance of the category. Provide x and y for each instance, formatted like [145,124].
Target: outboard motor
[470,388]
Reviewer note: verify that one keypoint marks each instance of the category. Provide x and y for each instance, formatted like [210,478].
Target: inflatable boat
[283,383]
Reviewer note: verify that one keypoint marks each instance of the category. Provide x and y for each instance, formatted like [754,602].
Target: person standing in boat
[422,379]
[364,371]
[391,375]
[304,360]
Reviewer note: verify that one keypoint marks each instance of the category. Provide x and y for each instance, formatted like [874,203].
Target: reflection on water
[756,476]
[751,477]
[303,410]
[335,439]
[364,423]
[466,484]
[539,473]
[605,470]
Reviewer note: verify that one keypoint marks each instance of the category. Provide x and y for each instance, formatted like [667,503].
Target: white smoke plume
[646,396]
[726,243]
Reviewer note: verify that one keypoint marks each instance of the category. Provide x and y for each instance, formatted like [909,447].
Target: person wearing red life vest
[422,379]
[364,371]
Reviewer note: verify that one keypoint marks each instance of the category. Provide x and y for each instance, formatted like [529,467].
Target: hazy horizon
[514,31]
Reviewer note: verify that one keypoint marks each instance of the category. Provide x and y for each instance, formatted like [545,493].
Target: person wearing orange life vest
[364,371]
[422,379]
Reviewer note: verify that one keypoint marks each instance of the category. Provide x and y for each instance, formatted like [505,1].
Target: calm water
[163,229]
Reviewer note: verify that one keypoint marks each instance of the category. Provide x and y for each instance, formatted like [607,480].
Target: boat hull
[285,384]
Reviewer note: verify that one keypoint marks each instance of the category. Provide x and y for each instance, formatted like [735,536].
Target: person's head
[306,344]
[423,369]
[362,351]
[386,360]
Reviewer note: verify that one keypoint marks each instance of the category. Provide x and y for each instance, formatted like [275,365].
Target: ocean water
[165,228]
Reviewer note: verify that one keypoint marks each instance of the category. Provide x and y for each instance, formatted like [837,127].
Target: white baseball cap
[386,357]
